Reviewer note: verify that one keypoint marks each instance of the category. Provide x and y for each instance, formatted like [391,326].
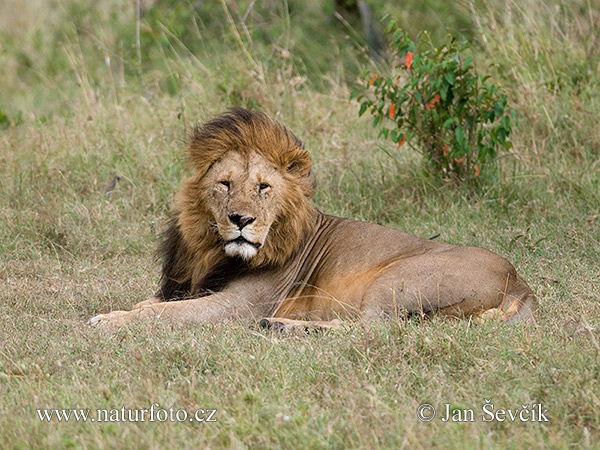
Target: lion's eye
[225,183]
[263,186]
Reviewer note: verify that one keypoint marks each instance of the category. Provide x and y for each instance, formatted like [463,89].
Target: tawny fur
[246,241]
[244,132]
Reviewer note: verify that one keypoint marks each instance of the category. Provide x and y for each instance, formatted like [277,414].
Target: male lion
[246,242]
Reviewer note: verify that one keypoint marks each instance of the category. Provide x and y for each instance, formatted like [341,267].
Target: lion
[246,242]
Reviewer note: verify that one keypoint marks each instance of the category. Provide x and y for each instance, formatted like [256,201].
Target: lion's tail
[522,303]
[519,304]
[526,310]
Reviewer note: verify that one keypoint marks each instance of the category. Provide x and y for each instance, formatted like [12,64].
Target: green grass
[71,119]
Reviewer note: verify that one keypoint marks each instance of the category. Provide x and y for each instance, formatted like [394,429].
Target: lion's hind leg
[299,327]
[526,310]
[519,304]
[516,310]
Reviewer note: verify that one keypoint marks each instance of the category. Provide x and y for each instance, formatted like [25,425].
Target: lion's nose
[241,221]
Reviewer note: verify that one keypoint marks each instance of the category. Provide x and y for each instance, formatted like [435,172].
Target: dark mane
[171,253]
[191,251]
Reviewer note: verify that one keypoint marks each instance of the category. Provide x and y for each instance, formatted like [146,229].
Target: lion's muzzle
[242,243]
[241,221]
[242,240]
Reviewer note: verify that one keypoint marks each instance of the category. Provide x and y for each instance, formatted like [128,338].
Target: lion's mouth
[241,240]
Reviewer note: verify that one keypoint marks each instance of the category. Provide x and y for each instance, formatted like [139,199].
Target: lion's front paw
[116,319]
[111,319]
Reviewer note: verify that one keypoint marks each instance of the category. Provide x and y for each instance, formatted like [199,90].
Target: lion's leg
[298,326]
[517,311]
[212,309]
[518,305]
[150,301]
[526,310]
[463,282]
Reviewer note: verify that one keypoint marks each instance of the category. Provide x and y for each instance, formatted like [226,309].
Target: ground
[83,100]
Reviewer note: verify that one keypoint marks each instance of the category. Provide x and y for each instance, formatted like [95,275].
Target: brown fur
[246,132]
[246,241]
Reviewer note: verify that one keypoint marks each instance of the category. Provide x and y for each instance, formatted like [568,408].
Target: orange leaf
[402,141]
[436,98]
[476,170]
[398,80]
[445,149]
[458,160]
[409,56]
[392,111]
[372,80]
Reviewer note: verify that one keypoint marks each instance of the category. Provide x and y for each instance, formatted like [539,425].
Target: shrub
[439,105]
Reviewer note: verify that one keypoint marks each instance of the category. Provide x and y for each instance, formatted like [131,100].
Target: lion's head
[249,198]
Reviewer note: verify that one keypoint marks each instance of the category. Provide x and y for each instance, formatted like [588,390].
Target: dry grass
[69,250]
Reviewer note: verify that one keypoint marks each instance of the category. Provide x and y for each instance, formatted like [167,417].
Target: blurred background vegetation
[42,41]
[54,51]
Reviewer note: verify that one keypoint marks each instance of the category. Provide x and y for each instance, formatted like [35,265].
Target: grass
[79,107]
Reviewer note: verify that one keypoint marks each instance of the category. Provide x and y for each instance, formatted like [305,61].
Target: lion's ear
[298,162]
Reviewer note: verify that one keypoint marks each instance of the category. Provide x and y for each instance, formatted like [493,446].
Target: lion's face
[243,195]
[250,196]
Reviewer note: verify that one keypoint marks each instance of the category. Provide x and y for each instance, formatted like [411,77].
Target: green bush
[439,105]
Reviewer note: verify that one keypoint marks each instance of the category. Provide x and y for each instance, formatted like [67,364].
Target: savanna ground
[88,93]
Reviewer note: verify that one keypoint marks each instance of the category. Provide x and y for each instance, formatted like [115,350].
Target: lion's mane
[193,260]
